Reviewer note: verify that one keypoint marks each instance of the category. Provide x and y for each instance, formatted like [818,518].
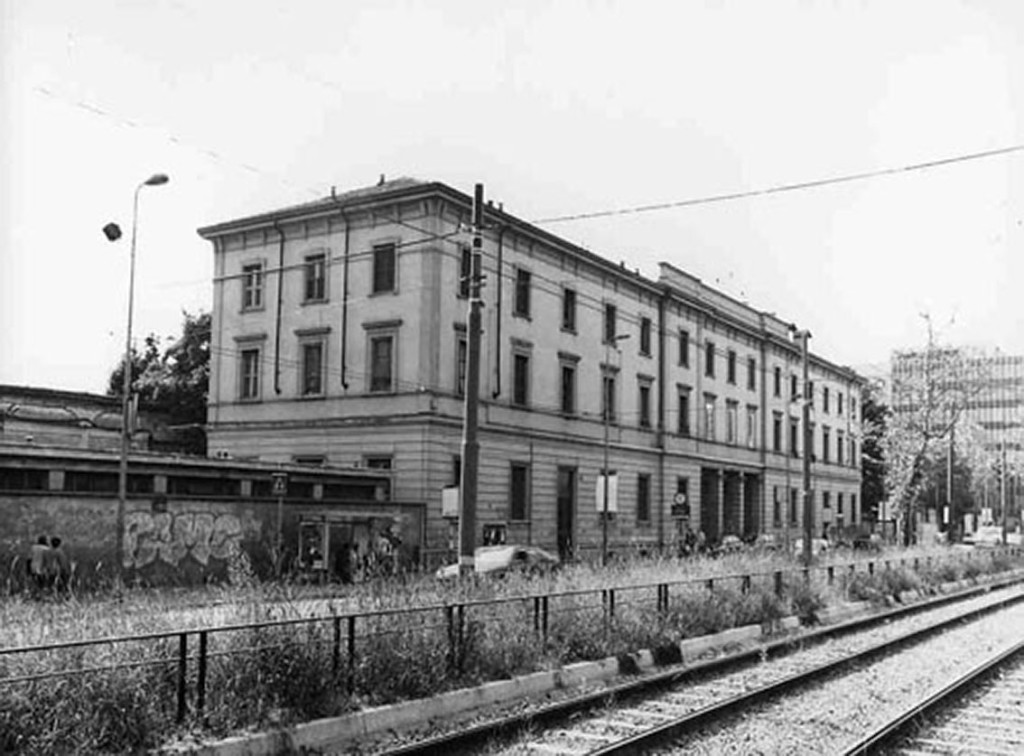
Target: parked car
[985,535]
[818,546]
[867,542]
[729,544]
[495,561]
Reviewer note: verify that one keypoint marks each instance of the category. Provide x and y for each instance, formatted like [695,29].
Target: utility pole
[808,450]
[950,511]
[470,442]
[1002,482]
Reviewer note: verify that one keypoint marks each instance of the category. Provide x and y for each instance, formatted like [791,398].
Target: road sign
[280,487]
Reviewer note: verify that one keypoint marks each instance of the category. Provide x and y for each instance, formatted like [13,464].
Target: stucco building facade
[339,337]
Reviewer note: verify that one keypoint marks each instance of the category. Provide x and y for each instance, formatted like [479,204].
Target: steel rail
[508,726]
[895,729]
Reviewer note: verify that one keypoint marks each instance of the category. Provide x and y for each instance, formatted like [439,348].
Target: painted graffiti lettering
[169,538]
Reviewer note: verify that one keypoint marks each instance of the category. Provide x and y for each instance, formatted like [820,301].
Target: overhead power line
[846,178]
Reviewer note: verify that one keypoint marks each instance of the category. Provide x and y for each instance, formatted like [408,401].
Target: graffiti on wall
[171,537]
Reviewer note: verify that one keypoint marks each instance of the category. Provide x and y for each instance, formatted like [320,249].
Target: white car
[501,560]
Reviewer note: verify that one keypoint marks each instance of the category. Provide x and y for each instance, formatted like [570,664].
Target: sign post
[280,490]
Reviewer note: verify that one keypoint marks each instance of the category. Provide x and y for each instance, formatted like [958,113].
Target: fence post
[871,568]
[351,642]
[544,610]
[449,616]
[201,681]
[182,675]
[831,574]
[711,585]
[336,650]
[745,584]
[778,583]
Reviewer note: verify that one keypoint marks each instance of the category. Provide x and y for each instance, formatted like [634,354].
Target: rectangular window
[853,508]
[826,500]
[383,268]
[316,278]
[751,373]
[569,310]
[520,379]
[777,382]
[250,374]
[809,388]
[776,431]
[610,325]
[839,505]
[794,389]
[684,348]
[568,389]
[608,397]
[824,399]
[313,368]
[730,367]
[731,420]
[382,364]
[521,305]
[776,508]
[379,461]
[794,509]
[709,359]
[645,336]
[645,404]
[825,443]
[520,492]
[839,403]
[751,427]
[643,497]
[709,417]
[684,413]
[465,270]
[840,443]
[794,437]
[461,358]
[853,453]
[853,408]
[252,286]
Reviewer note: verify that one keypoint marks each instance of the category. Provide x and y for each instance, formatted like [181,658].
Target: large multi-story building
[980,394]
[339,337]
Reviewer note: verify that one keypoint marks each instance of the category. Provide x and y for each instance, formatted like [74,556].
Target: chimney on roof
[382,180]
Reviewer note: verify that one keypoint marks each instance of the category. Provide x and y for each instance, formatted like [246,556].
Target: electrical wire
[800,186]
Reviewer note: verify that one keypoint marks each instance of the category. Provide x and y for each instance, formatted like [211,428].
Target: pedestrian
[38,563]
[61,566]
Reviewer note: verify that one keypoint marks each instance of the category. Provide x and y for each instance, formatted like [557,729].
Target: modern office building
[339,337]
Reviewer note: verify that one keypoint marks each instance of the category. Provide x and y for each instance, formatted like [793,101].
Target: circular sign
[679,498]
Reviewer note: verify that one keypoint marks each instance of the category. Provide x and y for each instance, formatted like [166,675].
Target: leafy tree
[931,389]
[875,415]
[174,383]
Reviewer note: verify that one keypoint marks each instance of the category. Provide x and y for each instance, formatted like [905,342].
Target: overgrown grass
[278,674]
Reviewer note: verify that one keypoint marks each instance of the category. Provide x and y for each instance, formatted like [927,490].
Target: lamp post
[608,400]
[803,336]
[126,387]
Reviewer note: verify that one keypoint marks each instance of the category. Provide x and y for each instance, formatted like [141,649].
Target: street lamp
[608,398]
[113,233]
[802,336]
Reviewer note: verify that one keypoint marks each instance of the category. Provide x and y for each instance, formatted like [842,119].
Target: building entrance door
[566,511]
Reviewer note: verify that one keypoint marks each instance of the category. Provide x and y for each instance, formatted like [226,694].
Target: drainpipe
[497,318]
[661,419]
[344,292]
[280,304]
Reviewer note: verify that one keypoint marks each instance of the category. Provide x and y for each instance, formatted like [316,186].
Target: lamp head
[156,179]
[112,231]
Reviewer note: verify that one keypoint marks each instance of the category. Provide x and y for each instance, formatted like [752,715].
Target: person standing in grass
[38,563]
[61,566]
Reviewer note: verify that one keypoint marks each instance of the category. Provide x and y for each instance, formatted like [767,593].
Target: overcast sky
[557,108]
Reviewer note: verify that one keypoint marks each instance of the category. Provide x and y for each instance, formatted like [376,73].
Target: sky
[558,109]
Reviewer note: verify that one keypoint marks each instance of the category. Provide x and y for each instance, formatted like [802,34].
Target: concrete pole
[470,442]
[808,449]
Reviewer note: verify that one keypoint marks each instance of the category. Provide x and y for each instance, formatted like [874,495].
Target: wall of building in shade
[195,521]
[339,333]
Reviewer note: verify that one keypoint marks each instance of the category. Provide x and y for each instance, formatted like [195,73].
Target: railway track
[980,712]
[684,707]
